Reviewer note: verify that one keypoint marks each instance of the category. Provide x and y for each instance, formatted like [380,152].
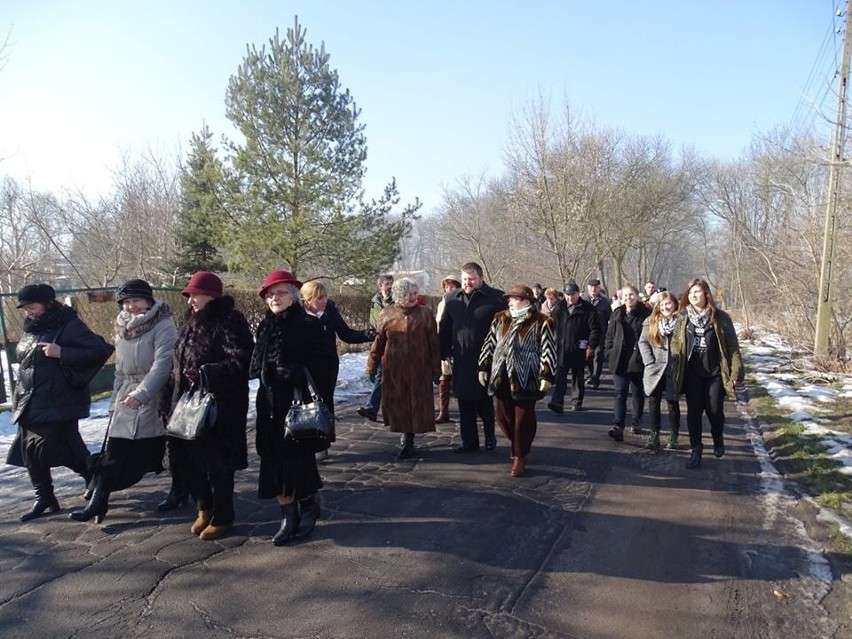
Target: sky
[440,84]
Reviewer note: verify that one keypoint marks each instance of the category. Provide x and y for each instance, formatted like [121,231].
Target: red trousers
[517,421]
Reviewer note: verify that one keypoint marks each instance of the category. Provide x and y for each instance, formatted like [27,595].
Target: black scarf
[55,316]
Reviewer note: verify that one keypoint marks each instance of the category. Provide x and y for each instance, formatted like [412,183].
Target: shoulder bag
[308,419]
[194,415]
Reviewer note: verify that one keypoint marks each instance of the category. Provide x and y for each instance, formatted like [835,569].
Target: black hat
[571,287]
[135,288]
[36,294]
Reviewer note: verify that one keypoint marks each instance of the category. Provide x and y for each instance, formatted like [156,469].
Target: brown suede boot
[201,522]
[443,416]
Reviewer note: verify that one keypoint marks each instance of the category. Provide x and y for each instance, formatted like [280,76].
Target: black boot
[617,432]
[308,514]
[406,446]
[45,501]
[177,497]
[289,523]
[97,507]
[694,458]
[718,446]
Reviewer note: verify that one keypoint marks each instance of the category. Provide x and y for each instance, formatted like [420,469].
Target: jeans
[631,382]
[375,401]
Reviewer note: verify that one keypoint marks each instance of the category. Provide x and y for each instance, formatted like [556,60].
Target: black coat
[46,390]
[622,339]
[603,308]
[578,324]
[285,344]
[219,339]
[335,326]
[463,329]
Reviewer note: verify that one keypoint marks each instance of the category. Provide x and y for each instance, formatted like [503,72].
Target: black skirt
[126,461]
[49,445]
[290,471]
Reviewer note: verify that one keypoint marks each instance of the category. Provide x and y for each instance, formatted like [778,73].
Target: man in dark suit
[463,328]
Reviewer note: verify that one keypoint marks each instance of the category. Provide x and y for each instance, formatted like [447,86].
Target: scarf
[667,325]
[696,318]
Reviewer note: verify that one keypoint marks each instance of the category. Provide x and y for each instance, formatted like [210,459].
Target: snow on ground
[14,483]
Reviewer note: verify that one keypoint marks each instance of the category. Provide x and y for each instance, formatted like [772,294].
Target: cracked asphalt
[598,540]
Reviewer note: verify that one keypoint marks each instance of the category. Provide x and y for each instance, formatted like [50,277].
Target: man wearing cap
[538,293]
[463,328]
[577,337]
[380,300]
[597,297]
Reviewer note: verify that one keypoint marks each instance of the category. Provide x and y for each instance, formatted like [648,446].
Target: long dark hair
[711,303]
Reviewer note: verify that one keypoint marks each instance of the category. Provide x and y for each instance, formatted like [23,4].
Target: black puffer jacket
[47,390]
[219,339]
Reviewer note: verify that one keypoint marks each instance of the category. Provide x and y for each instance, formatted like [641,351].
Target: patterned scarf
[697,319]
[667,325]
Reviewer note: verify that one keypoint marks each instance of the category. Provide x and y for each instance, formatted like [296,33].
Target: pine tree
[299,171]
[202,220]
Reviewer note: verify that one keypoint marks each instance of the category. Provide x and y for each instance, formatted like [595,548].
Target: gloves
[590,354]
[483,378]
[371,377]
[544,386]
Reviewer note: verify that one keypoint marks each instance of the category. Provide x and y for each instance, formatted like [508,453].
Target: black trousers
[214,492]
[468,411]
[704,395]
[574,365]
[596,365]
[655,401]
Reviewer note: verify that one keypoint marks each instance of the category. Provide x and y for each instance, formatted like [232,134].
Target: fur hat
[135,288]
[36,294]
[203,283]
[278,277]
[519,290]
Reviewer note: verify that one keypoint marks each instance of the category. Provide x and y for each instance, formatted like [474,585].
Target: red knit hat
[203,283]
[278,277]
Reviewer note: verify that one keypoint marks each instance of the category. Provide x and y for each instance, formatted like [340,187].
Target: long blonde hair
[654,335]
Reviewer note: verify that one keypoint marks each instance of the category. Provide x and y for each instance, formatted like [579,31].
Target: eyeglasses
[273,294]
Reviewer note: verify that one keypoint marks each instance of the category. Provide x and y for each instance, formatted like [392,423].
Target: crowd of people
[498,353]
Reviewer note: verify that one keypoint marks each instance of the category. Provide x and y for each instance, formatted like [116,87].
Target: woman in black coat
[288,341]
[215,341]
[58,355]
[625,360]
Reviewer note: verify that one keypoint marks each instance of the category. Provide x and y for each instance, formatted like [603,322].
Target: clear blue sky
[437,81]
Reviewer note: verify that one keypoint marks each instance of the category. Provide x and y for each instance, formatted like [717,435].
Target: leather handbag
[194,415]
[308,419]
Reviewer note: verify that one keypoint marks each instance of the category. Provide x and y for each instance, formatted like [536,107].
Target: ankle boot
[694,459]
[653,442]
[45,501]
[443,416]
[97,507]
[672,443]
[308,515]
[518,466]
[176,498]
[289,524]
[406,446]
[617,432]
[202,520]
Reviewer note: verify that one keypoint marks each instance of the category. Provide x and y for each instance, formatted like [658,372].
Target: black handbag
[308,420]
[194,415]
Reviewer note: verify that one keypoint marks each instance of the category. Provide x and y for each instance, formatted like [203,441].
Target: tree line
[573,200]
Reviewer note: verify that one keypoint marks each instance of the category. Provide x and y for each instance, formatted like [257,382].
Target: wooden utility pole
[836,169]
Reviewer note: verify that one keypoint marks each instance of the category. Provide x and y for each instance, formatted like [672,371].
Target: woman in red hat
[215,343]
[516,365]
[288,341]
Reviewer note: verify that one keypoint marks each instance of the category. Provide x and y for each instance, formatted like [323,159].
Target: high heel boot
[308,514]
[97,507]
[43,503]
[177,497]
[443,416]
[289,524]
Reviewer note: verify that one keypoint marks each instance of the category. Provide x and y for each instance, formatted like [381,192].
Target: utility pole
[835,173]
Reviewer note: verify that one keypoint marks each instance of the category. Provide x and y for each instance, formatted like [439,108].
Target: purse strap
[312,389]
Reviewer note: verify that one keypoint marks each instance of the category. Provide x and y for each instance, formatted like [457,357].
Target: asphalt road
[599,539]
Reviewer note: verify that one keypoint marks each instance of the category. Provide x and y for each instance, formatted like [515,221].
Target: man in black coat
[603,307]
[464,326]
[577,337]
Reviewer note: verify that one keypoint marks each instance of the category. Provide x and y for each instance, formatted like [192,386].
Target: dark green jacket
[731,362]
